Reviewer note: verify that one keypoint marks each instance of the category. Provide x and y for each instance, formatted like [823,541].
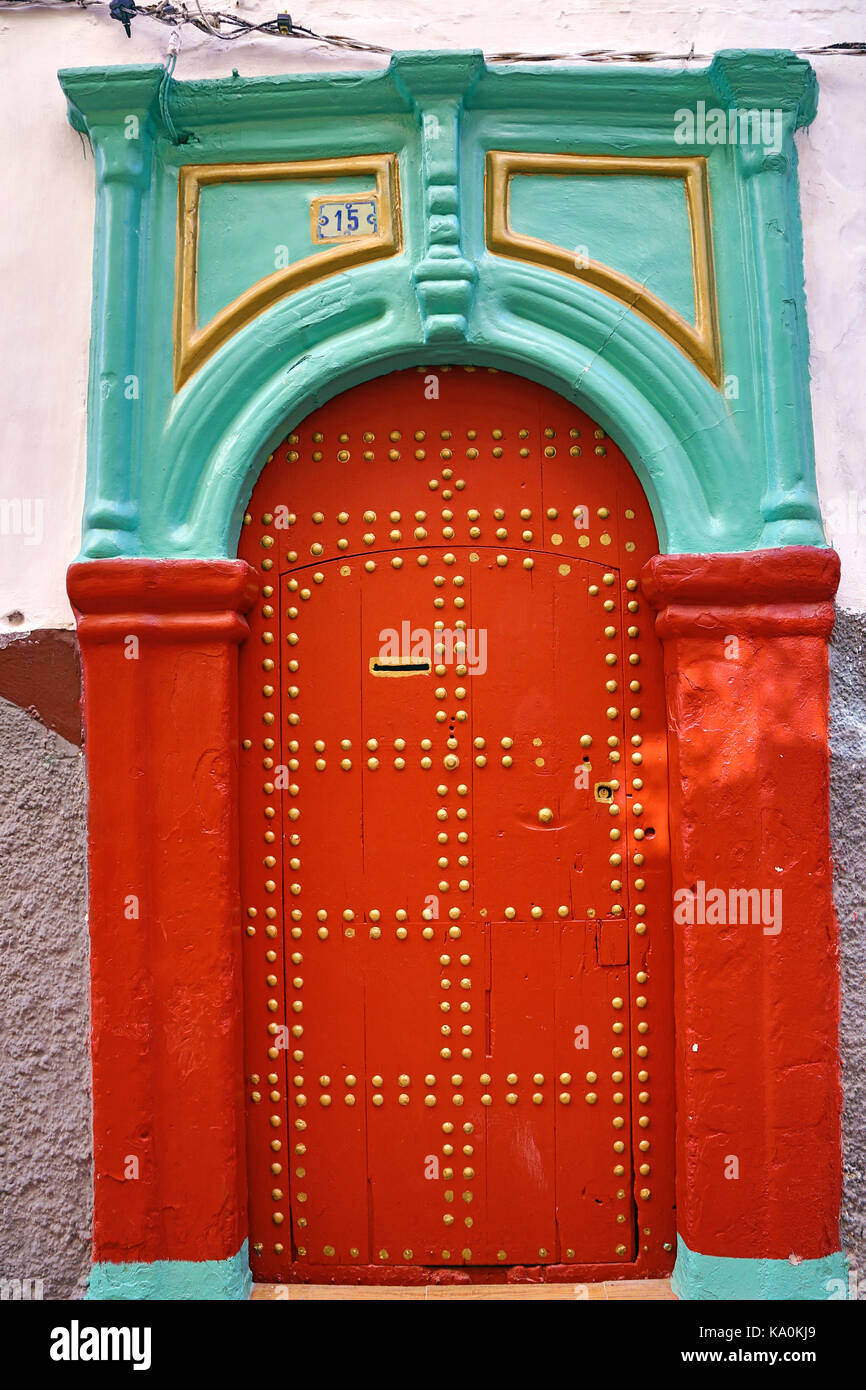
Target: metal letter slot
[395,667]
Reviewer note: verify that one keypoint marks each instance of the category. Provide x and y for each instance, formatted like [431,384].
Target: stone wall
[848,826]
[45,1115]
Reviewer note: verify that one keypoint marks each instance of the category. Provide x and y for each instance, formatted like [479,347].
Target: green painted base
[184,1280]
[724,1278]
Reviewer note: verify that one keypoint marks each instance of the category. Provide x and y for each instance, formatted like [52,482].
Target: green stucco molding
[727,466]
[722,1278]
[182,1280]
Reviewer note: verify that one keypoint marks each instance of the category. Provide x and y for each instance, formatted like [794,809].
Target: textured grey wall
[45,1119]
[848,818]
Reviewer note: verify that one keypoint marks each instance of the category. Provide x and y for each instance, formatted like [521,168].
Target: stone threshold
[641,1290]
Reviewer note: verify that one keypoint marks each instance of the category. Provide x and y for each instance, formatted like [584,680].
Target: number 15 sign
[342,219]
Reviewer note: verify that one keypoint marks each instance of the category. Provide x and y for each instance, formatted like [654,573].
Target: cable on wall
[227,27]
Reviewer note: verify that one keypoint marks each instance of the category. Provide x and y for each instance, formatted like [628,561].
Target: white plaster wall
[46,217]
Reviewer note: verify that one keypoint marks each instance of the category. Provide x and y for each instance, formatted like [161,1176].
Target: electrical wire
[165,85]
[227,27]
[213,23]
[612,55]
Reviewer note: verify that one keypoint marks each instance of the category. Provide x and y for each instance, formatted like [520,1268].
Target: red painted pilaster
[159,649]
[758,1095]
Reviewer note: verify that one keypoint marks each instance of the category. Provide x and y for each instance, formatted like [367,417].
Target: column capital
[788,590]
[169,599]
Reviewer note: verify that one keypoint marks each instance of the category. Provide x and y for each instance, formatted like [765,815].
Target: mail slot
[394,667]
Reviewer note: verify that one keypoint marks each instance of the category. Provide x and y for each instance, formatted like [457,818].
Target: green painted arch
[673,427]
[169,473]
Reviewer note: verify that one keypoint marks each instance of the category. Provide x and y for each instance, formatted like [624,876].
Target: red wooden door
[454,844]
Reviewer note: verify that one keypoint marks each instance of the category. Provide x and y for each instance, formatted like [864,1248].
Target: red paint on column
[757,1072]
[158,642]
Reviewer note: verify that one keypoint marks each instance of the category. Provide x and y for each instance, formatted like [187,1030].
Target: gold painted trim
[194,345]
[699,341]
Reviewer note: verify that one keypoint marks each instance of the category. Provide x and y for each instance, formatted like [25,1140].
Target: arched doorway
[454,844]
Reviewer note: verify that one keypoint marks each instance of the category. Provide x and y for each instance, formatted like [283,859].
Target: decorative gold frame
[194,345]
[699,341]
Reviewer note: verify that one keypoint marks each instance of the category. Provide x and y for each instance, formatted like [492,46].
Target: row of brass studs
[403,933]
[420,435]
[612,711]
[396,562]
[271,865]
[619,1145]
[457,1079]
[468,1173]
[461,1005]
[370,516]
[278,1215]
[638,835]
[297,1006]
[449,761]
[615,859]
[446,445]
[317,550]
[619,1098]
[421,533]
[473,514]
